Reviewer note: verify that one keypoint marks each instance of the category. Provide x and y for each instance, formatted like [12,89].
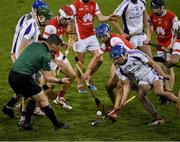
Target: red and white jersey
[115,40]
[176,47]
[84,17]
[163,27]
[54,28]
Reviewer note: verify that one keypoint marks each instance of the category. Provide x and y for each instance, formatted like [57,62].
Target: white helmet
[176,28]
[66,12]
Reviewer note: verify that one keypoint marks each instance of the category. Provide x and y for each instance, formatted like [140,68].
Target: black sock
[29,111]
[50,114]
[12,102]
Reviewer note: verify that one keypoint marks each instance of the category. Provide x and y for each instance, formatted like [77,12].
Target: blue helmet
[38,3]
[102,30]
[118,51]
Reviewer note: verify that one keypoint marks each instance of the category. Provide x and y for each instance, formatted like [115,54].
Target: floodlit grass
[132,122]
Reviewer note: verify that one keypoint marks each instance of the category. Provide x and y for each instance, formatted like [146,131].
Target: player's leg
[138,42]
[68,71]
[93,48]
[36,92]
[111,84]
[159,90]
[143,89]
[80,49]
[146,49]
[122,91]
[42,99]
[98,64]
[170,72]
[79,80]
[8,108]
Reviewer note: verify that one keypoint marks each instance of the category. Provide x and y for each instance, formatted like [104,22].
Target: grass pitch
[131,124]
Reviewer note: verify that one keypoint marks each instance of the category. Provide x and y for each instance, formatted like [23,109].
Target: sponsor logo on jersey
[160,31]
[87,18]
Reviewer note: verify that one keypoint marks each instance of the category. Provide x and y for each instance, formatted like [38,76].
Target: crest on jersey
[87,18]
[160,30]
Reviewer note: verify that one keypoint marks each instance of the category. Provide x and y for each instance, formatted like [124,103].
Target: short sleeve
[119,11]
[97,10]
[29,31]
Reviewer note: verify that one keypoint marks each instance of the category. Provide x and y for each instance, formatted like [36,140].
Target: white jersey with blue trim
[26,28]
[136,66]
[132,15]
[22,21]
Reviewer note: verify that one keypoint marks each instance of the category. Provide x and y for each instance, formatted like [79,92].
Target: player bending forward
[137,65]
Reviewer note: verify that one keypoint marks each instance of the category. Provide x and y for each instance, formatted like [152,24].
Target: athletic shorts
[23,84]
[150,78]
[176,48]
[138,40]
[88,44]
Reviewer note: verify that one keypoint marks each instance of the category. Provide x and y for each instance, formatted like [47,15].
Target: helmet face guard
[119,54]
[43,15]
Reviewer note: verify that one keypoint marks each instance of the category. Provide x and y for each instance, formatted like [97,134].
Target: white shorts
[176,48]
[138,40]
[54,66]
[150,78]
[88,44]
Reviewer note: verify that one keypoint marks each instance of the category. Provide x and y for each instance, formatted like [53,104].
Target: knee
[158,92]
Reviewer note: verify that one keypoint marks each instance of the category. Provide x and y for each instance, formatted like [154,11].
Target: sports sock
[61,93]
[29,111]
[12,102]
[50,114]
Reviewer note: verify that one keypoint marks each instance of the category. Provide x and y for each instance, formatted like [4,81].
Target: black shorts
[23,84]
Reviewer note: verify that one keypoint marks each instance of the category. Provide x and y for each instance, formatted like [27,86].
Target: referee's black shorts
[23,84]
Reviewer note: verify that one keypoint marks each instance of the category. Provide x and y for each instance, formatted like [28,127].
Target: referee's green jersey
[34,58]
